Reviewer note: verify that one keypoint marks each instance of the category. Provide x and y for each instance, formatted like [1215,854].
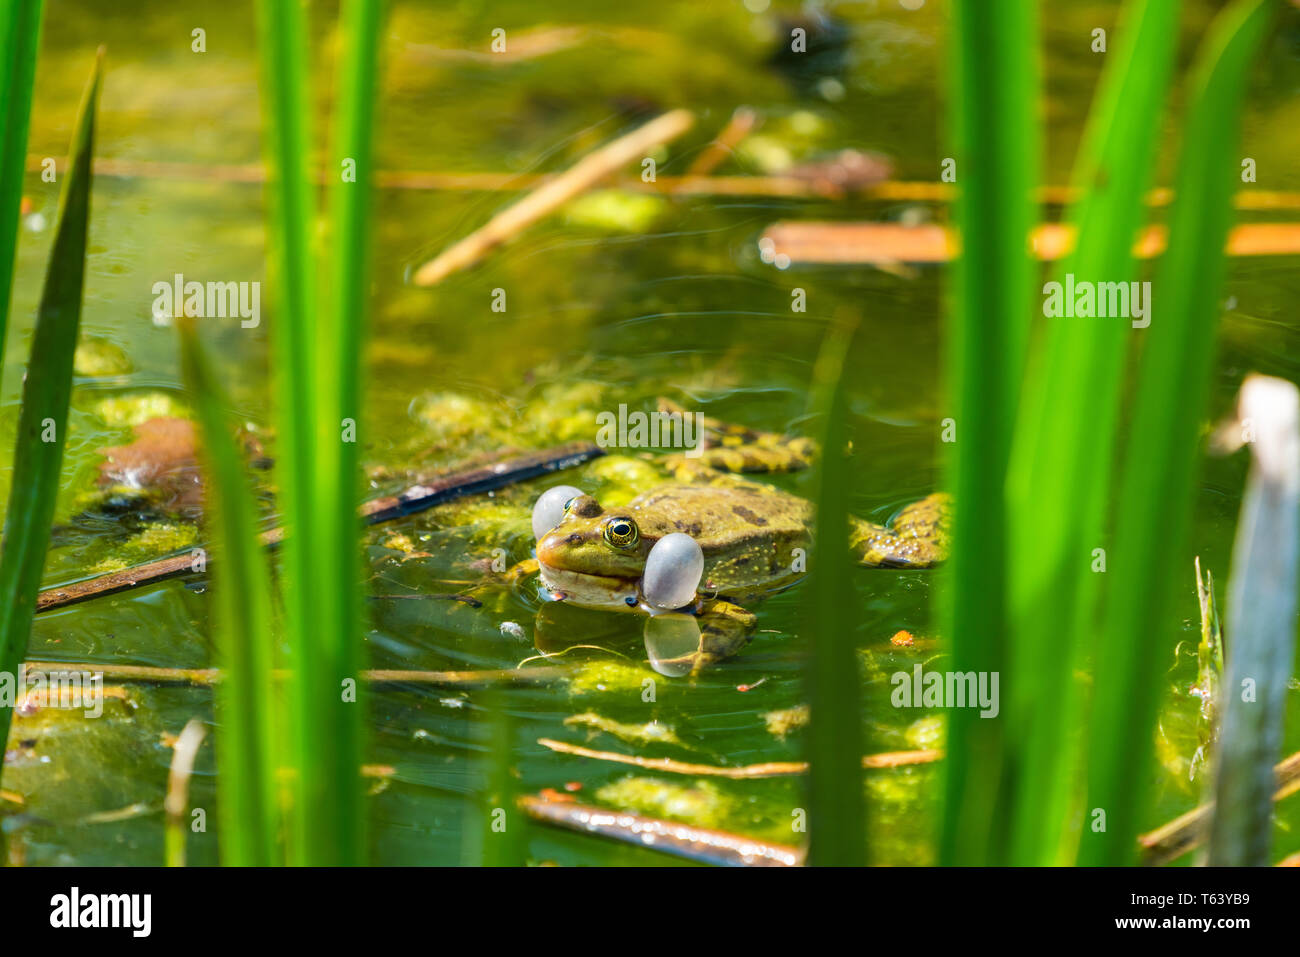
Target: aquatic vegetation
[784,140]
[157,539]
[927,732]
[136,408]
[651,732]
[786,721]
[608,677]
[616,211]
[620,478]
[456,416]
[702,803]
[401,542]
[97,358]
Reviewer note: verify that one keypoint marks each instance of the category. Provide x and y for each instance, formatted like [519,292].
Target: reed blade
[994,83]
[47,391]
[246,732]
[20,33]
[1160,463]
[1062,462]
[837,834]
[318,344]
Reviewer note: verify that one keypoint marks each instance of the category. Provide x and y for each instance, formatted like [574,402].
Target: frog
[754,537]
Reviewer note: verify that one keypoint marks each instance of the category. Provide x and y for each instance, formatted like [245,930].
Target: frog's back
[747,531]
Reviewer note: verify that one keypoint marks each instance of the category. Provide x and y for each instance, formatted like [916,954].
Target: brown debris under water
[163,457]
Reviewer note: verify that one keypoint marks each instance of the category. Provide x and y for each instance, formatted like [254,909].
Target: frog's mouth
[586,589]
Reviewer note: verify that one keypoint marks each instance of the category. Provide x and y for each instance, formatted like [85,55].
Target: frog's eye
[622,532]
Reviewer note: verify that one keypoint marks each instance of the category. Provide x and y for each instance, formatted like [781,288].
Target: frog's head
[594,556]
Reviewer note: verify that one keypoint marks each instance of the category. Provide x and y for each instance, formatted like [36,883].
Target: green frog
[754,537]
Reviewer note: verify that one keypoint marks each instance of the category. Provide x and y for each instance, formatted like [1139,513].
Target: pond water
[618,300]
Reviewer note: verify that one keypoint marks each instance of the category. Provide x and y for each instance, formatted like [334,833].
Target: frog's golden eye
[622,532]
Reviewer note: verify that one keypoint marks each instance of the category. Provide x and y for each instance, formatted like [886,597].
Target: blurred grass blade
[996,141]
[246,786]
[1262,627]
[318,356]
[20,32]
[837,833]
[340,341]
[47,390]
[316,778]
[1062,460]
[1159,472]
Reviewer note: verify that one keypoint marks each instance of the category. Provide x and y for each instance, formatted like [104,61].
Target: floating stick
[588,171]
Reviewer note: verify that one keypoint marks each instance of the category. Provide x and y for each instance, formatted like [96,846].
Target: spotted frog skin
[753,536]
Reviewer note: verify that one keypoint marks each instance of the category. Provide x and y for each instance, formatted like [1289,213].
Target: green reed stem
[1159,474]
[47,391]
[996,145]
[20,32]
[837,832]
[246,786]
[1062,463]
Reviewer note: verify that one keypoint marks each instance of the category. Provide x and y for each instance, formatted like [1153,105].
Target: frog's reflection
[672,643]
[675,643]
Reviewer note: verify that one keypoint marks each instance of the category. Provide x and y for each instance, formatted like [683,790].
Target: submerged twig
[771,769]
[683,840]
[178,789]
[414,499]
[588,171]
[742,123]
[1187,831]
[203,677]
